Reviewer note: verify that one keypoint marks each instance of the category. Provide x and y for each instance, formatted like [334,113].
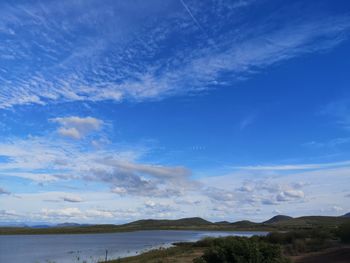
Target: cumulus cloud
[290,195]
[8,214]
[246,188]
[220,195]
[61,213]
[76,127]
[129,177]
[119,169]
[125,177]
[255,193]
[75,213]
[124,172]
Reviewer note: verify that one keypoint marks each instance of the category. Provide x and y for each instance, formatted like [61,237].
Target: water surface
[91,248]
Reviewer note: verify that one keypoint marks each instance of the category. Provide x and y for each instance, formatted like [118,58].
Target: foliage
[240,250]
[301,241]
[344,232]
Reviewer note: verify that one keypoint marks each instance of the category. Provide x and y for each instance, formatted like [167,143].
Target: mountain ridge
[276,223]
[277,219]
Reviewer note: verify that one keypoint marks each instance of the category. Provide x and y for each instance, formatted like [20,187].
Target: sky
[113,111]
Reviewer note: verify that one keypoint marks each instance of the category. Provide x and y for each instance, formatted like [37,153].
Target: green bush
[301,241]
[344,232]
[241,250]
[284,238]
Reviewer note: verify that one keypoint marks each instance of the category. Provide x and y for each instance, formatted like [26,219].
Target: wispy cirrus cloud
[291,167]
[131,61]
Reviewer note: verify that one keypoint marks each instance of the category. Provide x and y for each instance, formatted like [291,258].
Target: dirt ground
[334,255]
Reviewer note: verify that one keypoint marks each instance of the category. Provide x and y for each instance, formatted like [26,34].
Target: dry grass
[180,254]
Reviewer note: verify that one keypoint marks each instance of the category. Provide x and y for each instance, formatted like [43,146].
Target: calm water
[91,247]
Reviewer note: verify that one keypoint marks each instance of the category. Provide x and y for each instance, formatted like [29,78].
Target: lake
[92,247]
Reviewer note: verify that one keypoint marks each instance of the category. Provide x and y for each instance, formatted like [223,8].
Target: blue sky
[119,110]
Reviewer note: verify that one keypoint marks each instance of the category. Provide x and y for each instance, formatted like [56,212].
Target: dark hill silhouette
[222,223]
[346,215]
[192,221]
[243,223]
[278,219]
[67,224]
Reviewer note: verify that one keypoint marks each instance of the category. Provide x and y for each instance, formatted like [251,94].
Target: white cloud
[8,214]
[253,192]
[290,195]
[294,193]
[119,190]
[76,213]
[70,132]
[68,212]
[37,177]
[292,167]
[150,204]
[118,169]
[76,127]
[126,60]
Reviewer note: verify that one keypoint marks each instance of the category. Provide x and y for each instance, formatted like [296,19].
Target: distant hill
[310,221]
[346,215]
[183,222]
[68,225]
[13,224]
[222,223]
[277,223]
[41,226]
[243,223]
[278,219]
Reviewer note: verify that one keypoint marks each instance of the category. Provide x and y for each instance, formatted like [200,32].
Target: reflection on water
[91,248]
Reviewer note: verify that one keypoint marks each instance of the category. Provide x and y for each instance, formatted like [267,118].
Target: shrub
[344,232]
[241,250]
[301,241]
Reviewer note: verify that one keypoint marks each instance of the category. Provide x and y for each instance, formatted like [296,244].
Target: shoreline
[79,231]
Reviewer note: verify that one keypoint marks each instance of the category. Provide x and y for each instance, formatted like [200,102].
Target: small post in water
[106,255]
